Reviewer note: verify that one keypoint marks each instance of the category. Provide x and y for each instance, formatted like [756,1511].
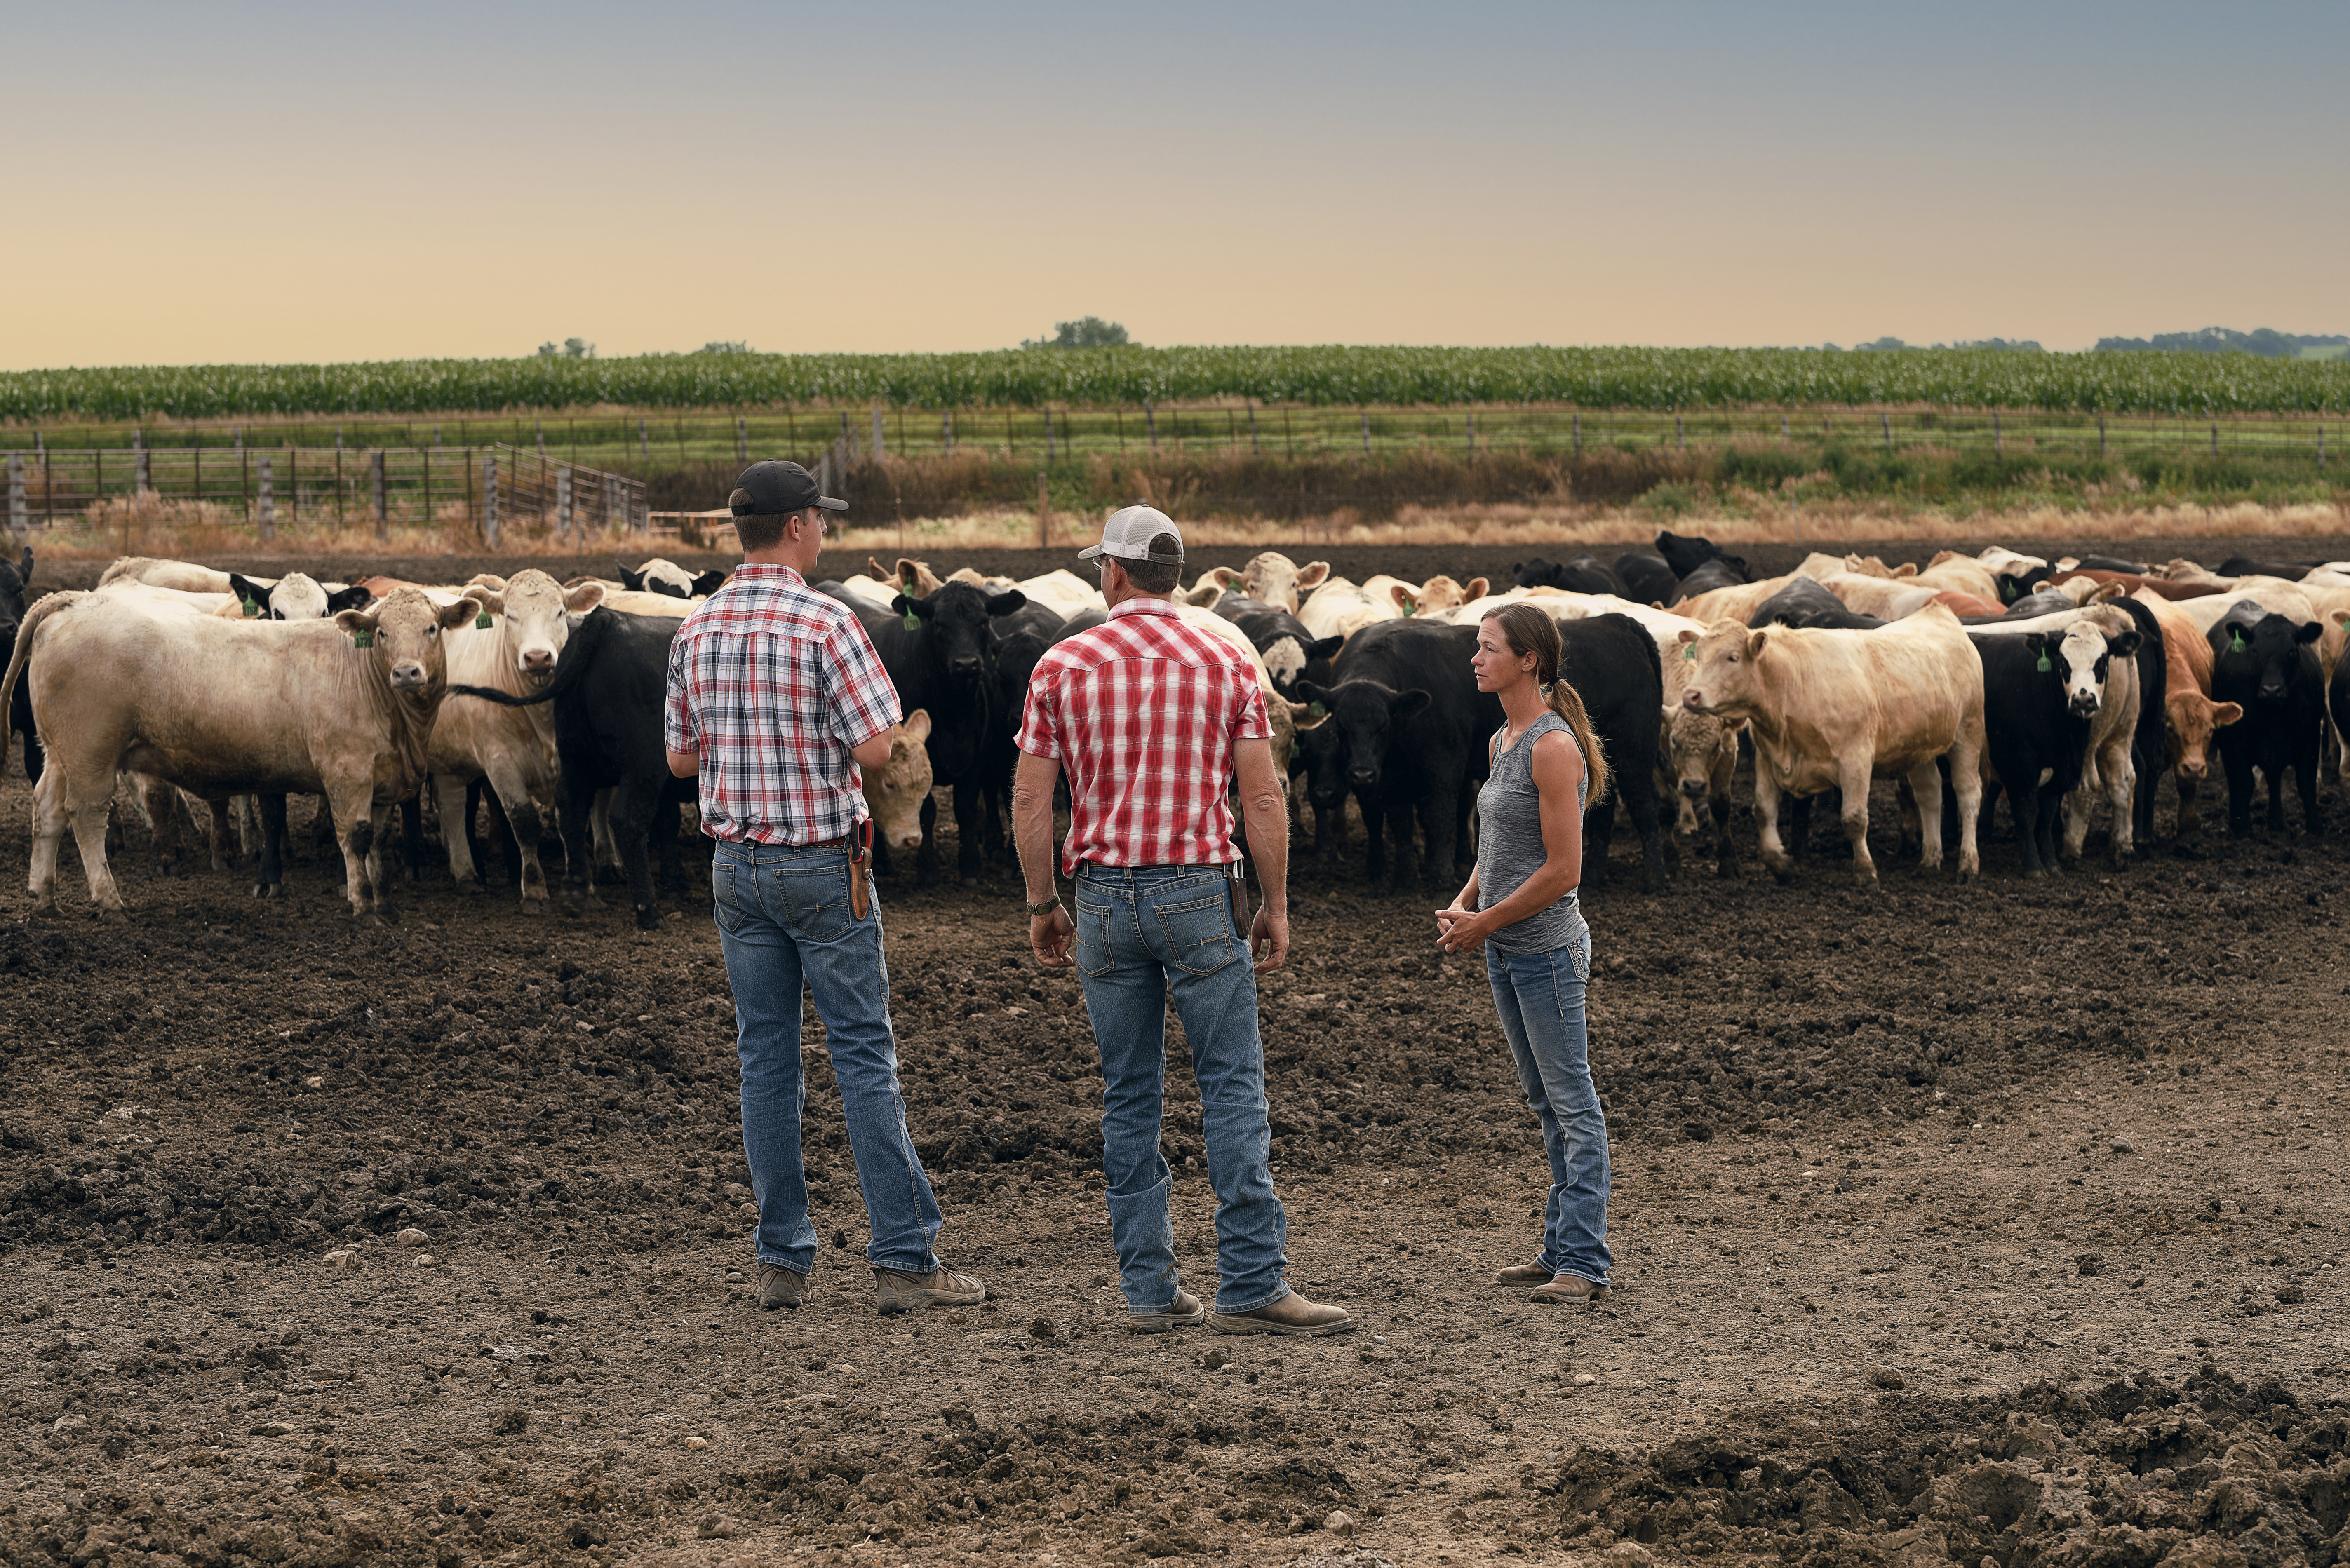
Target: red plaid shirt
[1141,714]
[773,683]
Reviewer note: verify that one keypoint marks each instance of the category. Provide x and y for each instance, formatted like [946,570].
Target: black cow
[2338,696]
[2030,727]
[1646,579]
[939,651]
[608,693]
[13,580]
[2268,664]
[1020,639]
[1405,736]
[1577,575]
[261,593]
[1805,602]
[2040,602]
[1291,652]
[2016,587]
[703,584]
[2109,563]
[2246,566]
[1686,554]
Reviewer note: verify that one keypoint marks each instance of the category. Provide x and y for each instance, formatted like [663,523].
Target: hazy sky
[274,181]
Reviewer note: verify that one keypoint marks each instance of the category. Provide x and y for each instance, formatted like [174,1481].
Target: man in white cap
[1151,718]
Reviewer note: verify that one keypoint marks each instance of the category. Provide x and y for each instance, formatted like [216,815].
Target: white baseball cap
[1126,533]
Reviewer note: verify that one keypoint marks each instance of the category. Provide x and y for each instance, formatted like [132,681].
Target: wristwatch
[1046,908]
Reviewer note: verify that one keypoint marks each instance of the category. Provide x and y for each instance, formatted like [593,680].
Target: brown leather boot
[897,1292]
[1184,1312]
[1569,1290]
[1523,1275]
[1293,1313]
[780,1287]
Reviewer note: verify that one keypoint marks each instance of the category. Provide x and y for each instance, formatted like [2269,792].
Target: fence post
[2101,435]
[382,515]
[1367,431]
[1783,434]
[1048,436]
[339,477]
[489,500]
[946,429]
[1043,512]
[145,479]
[1680,436]
[2215,438]
[563,501]
[268,501]
[876,433]
[1998,437]
[2321,443]
[823,473]
[1578,432]
[1469,425]
[644,442]
[1253,446]
[1884,422]
[1150,419]
[18,524]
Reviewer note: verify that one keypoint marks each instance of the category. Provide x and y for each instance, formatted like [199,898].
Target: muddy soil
[2002,1222]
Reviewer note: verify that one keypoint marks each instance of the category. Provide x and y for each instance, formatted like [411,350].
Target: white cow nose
[408,674]
[538,659]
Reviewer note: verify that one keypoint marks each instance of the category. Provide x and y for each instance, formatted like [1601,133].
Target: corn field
[2182,384]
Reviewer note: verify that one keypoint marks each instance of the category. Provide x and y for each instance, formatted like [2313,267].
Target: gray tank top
[1510,843]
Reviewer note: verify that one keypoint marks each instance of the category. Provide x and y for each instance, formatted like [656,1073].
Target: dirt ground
[2001,1225]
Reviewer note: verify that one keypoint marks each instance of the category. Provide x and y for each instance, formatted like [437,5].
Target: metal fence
[493,488]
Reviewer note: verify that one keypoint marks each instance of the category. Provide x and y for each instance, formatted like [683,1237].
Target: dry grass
[150,527]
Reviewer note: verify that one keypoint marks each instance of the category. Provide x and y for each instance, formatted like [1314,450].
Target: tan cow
[1837,709]
[1434,599]
[1737,602]
[895,791]
[1887,598]
[513,748]
[2190,718]
[341,708]
[911,577]
[1341,607]
[1959,575]
[1271,578]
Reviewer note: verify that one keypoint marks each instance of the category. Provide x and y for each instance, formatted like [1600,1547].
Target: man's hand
[1051,936]
[1269,939]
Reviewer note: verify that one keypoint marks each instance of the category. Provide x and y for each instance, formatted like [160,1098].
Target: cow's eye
[432,631]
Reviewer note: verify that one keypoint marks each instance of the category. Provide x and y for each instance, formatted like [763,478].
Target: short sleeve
[1040,729]
[862,701]
[679,731]
[1250,722]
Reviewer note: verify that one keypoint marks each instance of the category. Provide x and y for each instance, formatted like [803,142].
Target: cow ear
[353,598]
[918,726]
[2309,631]
[1313,574]
[1007,601]
[1325,647]
[2037,642]
[1302,715]
[875,570]
[582,598]
[1476,588]
[494,603]
[2226,713]
[2124,642]
[1222,577]
[1409,704]
[632,581]
[1685,636]
[905,604]
[486,580]
[352,622]
[246,589]
[25,571]
[1906,569]
[1755,640]
[1307,693]
[708,583]
[2341,617]
[452,617]
[1400,597]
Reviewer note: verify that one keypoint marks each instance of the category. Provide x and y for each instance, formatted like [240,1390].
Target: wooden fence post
[1468,427]
[339,477]
[1680,436]
[18,524]
[489,500]
[1253,446]
[1885,423]
[1043,510]
[644,442]
[2101,435]
[1150,419]
[268,502]
[2215,438]
[946,429]
[1578,432]
[2321,443]
[145,474]
[382,515]
[1998,437]
[1048,438]
[1367,431]
[563,501]
[876,433]
[741,439]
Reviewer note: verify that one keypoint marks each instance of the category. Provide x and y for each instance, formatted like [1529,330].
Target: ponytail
[1528,629]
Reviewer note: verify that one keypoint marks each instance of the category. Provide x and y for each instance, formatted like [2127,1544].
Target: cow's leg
[48,830]
[610,858]
[1966,782]
[2025,799]
[381,882]
[221,832]
[2120,772]
[522,833]
[1855,769]
[452,796]
[2239,763]
[1766,820]
[1640,805]
[1375,834]
[968,829]
[573,808]
[271,879]
[633,806]
[927,859]
[1598,829]
[1924,782]
[160,802]
[2307,750]
[668,821]
[412,836]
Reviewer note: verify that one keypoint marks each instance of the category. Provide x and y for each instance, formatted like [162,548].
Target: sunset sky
[277,182]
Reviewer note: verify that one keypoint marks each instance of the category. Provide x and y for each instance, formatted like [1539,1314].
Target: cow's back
[1910,690]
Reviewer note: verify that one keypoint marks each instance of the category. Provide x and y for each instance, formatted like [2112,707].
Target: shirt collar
[1145,605]
[760,571]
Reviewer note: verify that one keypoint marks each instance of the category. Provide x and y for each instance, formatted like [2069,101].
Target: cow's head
[2192,719]
[534,614]
[2271,646]
[402,637]
[1288,657]
[1362,720]
[1691,747]
[955,619]
[1686,554]
[13,582]
[1535,573]
[2079,657]
[1274,578]
[895,791]
[1721,672]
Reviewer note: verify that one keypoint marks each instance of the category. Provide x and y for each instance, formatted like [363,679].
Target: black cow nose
[967,664]
[1693,788]
[1362,775]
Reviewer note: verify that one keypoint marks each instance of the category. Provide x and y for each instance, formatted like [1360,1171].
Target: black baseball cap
[772,488]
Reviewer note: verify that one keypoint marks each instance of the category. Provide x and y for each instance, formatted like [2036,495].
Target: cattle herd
[2069,686]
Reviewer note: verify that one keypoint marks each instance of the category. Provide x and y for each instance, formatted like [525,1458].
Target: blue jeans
[1141,933]
[784,921]
[1540,999]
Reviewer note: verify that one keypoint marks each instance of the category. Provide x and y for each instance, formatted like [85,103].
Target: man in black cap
[775,699]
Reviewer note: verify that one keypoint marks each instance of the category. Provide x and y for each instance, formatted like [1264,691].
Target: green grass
[1104,378]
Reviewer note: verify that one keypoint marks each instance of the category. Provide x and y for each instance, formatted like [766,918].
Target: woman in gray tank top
[1521,904]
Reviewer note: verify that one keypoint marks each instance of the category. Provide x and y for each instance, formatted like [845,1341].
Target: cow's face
[955,619]
[2192,719]
[895,791]
[2272,645]
[535,624]
[2080,657]
[1692,745]
[405,630]
[13,580]
[1276,579]
[1363,719]
[1721,667]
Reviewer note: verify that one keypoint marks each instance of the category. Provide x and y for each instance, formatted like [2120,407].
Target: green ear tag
[913,621]
[1688,651]
[482,621]
[2044,666]
[1409,605]
[1316,711]
[363,637]
[251,610]
[2235,642]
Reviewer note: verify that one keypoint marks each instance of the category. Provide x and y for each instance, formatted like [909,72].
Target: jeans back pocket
[815,899]
[1199,932]
[1091,951]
